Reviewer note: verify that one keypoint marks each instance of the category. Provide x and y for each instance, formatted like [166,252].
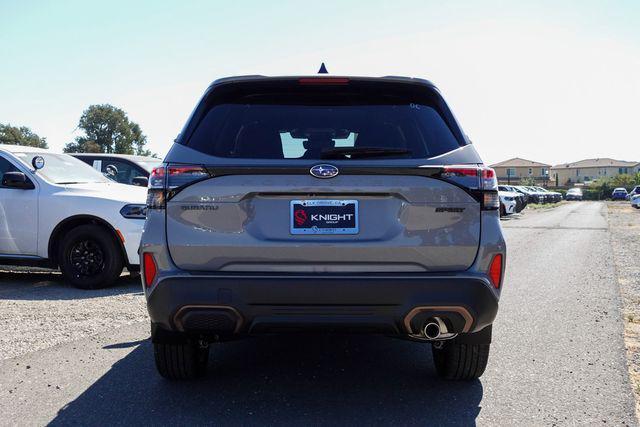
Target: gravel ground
[624,223]
[57,312]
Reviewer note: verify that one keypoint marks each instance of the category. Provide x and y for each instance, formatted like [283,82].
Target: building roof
[517,162]
[603,162]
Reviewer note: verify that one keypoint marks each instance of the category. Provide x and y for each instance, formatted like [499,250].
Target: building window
[511,171]
[545,172]
[530,171]
[577,172]
[622,170]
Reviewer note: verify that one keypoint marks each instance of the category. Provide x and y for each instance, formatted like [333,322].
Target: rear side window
[312,123]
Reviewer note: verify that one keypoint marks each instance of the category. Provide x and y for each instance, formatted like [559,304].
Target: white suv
[56,211]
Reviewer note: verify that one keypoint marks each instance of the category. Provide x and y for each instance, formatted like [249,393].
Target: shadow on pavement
[283,380]
[41,284]
[124,345]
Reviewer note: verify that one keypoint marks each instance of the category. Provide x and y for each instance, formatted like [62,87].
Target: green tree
[528,181]
[107,129]
[21,136]
[624,180]
[603,187]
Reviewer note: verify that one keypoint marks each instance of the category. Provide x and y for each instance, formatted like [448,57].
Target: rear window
[325,123]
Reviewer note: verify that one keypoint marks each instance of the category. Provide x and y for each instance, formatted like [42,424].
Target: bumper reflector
[495,271]
[149,268]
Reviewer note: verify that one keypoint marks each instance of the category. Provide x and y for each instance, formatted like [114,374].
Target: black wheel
[457,361]
[184,361]
[90,257]
[503,210]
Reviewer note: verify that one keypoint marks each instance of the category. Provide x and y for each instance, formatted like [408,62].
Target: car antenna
[323,69]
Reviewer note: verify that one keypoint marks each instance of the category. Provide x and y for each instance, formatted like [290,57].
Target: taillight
[155,191]
[149,268]
[179,176]
[479,180]
[489,179]
[166,181]
[495,271]
[490,200]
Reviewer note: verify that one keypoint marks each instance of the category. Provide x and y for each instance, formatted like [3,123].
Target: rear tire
[90,257]
[181,361]
[458,361]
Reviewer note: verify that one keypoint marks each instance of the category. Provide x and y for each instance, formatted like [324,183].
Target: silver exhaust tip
[432,329]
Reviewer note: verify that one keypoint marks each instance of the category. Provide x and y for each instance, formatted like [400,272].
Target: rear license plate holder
[324,217]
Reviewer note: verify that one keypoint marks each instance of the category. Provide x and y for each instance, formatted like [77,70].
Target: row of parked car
[633,196]
[514,198]
[617,194]
[621,193]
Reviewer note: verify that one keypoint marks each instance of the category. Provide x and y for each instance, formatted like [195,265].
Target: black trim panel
[431,171]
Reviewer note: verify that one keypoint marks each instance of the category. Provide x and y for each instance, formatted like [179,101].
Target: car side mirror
[140,181]
[16,180]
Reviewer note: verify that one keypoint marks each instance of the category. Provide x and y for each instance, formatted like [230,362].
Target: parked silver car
[334,204]
[574,194]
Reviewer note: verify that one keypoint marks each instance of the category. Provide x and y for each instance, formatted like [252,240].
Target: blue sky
[539,80]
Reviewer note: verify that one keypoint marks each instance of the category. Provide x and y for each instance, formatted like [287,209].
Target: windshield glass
[312,132]
[290,121]
[63,169]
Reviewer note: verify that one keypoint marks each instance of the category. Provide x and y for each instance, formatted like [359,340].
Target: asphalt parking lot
[558,357]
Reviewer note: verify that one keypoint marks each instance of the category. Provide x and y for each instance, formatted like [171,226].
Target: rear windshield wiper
[362,152]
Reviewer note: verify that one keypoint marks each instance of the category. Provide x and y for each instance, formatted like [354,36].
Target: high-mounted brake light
[495,271]
[323,81]
[149,268]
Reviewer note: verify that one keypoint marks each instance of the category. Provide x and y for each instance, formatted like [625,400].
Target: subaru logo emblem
[324,171]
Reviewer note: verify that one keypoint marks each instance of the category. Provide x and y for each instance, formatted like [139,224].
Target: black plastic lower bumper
[233,305]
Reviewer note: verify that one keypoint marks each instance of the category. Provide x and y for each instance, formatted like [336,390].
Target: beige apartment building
[568,174]
[513,170]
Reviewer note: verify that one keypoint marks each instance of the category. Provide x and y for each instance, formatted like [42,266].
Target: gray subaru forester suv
[322,204]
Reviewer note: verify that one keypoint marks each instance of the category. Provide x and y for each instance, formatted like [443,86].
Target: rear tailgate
[243,223]
[265,134]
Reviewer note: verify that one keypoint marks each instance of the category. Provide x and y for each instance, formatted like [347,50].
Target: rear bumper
[227,306]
